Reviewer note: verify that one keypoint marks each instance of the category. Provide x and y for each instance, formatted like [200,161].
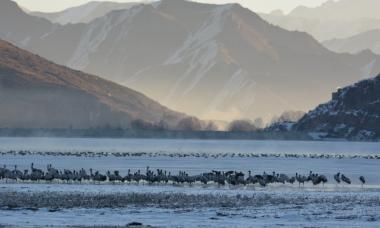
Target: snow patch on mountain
[25,41]
[206,60]
[280,126]
[156,4]
[367,70]
[96,35]
[199,50]
[239,83]
[136,76]
[202,38]
[52,31]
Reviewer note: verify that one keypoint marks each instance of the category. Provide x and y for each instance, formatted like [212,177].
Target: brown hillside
[35,92]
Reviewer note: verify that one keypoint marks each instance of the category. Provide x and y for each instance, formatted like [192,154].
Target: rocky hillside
[36,93]
[213,61]
[353,113]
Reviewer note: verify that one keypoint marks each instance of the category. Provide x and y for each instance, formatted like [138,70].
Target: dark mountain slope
[353,112]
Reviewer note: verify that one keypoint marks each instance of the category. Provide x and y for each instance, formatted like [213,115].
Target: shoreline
[204,155]
[153,134]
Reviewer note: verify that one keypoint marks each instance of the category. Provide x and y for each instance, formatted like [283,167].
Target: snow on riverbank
[192,208]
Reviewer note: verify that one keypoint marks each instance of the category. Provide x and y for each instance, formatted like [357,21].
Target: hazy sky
[255,5]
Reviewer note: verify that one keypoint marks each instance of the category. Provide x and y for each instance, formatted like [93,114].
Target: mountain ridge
[341,10]
[363,41]
[83,13]
[332,20]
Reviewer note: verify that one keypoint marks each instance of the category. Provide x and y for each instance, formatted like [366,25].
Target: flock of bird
[160,176]
[190,154]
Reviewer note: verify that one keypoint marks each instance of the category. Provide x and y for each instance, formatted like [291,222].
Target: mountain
[340,10]
[322,29]
[331,20]
[36,93]
[83,13]
[213,61]
[353,112]
[367,40]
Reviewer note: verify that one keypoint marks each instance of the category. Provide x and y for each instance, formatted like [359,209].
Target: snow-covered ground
[310,215]
[50,206]
[62,205]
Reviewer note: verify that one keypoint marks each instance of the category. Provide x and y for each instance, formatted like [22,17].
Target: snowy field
[88,204]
